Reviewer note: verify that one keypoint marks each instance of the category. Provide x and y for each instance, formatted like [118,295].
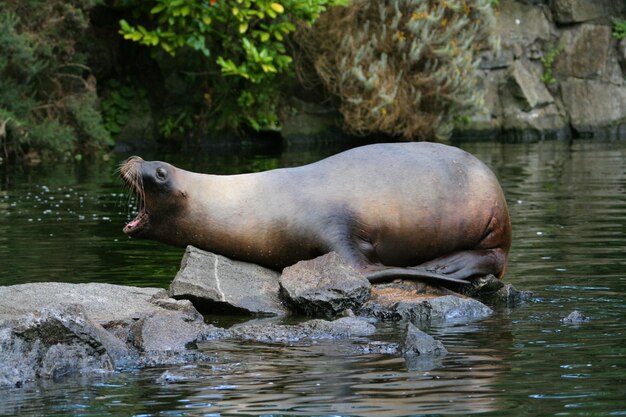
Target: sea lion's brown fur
[418,210]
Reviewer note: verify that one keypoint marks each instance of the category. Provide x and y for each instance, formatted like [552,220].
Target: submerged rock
[324,287]
[575,317]
[420,343]
[215,283]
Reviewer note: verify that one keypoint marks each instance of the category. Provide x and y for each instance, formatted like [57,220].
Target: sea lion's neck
[219,213]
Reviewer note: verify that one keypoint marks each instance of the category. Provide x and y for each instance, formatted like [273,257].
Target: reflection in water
[568,206]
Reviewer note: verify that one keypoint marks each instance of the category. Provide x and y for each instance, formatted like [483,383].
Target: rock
[594,105]
[317,329]
[324,287]
[422,344]
[522,24]
[55,342]
[392,302]
[103,303]
[525,85]
[215,283]
[89,327]
[621,54]
[378,347]
[587,52]
[575,317]
[574,11]
[304,121]
[494,292]
[168,331]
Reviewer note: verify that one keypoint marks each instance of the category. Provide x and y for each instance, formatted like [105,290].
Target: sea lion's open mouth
[137,224]
[130,172]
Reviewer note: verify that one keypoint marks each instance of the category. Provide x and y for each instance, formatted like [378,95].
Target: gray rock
[574,11]
[494,292]
[317,329]
[593,104]
[575,317]
[525,85]
[393,303]
[305,121]
[522,24]
[324,287]
[215,283]
[55,342]
[168,331]
[104,326]
[103,303]
[420,343]
[587,53]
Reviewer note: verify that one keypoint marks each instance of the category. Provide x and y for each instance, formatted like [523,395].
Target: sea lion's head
[160,198]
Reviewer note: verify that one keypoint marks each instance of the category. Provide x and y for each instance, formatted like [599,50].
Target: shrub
[403,67]
[240,49]
[47,94]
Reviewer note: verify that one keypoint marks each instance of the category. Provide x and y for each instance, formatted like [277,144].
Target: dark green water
[568,205]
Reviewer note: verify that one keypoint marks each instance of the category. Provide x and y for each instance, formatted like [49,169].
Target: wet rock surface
[49,330]
[400,301]
[420,343]
[324,286]
[217,284]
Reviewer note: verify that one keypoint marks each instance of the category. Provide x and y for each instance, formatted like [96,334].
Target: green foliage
[548,62]
[47,94]
[619,29]
[243,40]
[178,124]
[117,104]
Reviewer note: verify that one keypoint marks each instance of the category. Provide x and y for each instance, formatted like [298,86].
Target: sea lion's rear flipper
[458,267]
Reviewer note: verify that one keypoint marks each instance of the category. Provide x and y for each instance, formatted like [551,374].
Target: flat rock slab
[343,328]
[215,283]
[395,302]
[324,287]
[103,303]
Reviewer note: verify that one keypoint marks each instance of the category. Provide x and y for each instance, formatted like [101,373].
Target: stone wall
[559,72]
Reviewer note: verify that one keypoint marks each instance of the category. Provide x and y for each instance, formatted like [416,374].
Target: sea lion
[409,210]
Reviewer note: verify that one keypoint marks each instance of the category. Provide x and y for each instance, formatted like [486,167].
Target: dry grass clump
[403,67]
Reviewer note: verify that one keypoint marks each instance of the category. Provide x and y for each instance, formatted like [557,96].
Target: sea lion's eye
[161,173]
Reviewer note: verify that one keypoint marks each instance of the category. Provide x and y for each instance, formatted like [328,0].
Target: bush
[47,95]
[403,67]
[240,50]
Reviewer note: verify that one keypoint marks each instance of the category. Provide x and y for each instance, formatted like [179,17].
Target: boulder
[324,286]
[587,52]
[594,105]
[399,301]
[519,25]
[58,329]
[526,86]
[303,121]
[55,342]
[420,343]
[215,283]
[575,11]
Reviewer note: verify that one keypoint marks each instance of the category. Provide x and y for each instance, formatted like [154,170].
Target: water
[568,205]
